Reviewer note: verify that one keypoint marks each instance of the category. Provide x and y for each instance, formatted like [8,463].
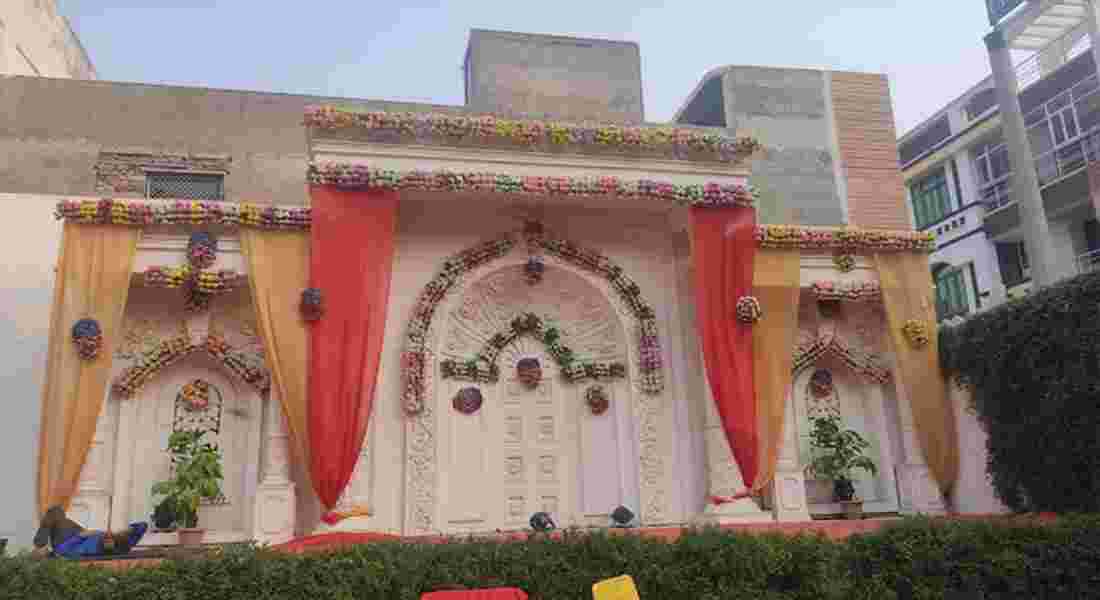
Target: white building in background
[1041,108]
[37,41]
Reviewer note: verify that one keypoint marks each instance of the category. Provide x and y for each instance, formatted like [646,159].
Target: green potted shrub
[196,476]
[837,452]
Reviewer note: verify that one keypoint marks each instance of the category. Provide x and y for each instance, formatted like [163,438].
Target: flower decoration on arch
[199,284]
[248,368]
[596,398]
[483,367]
[415,357]
[195,395]
[868,365]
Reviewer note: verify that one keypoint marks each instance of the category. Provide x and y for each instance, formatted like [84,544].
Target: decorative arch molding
[867,365]
[415,357]
[483,367]
[148,364]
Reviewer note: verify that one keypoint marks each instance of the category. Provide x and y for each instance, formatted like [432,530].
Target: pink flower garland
[347,175]
[171,350]
[863,363]
[662,141]
[859,291]
[851,239]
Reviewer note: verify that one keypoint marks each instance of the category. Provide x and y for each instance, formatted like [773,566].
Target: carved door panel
[538,446]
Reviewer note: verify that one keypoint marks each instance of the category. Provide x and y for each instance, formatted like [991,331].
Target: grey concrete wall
[52,131]
[787,110]
[553,76]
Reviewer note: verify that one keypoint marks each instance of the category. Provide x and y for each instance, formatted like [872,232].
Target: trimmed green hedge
[918,558]
[1034,366]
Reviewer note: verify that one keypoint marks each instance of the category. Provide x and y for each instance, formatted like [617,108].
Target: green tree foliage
[1034,367]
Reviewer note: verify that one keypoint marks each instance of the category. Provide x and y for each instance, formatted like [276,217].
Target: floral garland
[483,368]
[139,213]
[596,399]
[345,175]
[172,350]
[850,239]
[857,291]
[666,141]
[414,359]
[199,284]
[821,383]
[863,363]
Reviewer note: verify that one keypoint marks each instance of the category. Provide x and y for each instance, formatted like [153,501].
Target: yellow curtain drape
[278,272]
[907,294]
[92,281]
[776,281]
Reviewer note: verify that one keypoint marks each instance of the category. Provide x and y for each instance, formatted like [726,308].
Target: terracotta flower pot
[853,509]
[191,536]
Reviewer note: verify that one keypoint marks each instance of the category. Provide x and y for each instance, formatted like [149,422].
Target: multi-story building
[1000,228]
[37,41]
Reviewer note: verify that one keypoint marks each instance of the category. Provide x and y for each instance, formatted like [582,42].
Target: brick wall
[868,150]
[122,174]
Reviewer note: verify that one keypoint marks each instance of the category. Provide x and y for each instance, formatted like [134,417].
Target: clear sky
[413,49]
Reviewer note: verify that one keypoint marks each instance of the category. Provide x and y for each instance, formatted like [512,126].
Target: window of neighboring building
[184,185]
[951,296]
[931,199]
[1013,261]
[993,171]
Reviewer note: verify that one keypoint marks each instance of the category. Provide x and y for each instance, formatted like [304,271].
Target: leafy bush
[1034,366]
[918,558]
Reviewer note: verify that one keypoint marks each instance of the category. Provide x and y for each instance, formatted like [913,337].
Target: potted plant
[196,476]
[836,453]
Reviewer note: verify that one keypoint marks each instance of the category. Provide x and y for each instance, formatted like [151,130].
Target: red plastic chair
[486,594]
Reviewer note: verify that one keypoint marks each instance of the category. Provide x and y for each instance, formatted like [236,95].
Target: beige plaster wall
[29,241]
[35,40]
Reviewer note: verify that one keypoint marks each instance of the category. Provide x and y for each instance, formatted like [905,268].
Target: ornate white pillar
[789,488]
[723,475]
[91,505]
[275,511]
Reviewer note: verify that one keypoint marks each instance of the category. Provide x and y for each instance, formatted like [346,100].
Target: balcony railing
[1068,158]
[1088,262]
[1055,54]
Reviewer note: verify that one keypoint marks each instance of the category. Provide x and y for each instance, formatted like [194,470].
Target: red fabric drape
[723,250]
[351,261]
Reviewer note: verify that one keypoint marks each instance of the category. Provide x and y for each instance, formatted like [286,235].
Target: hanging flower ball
[195,395]
[596,399]
[749,309]
[844,262]
[88,338]
[916,332]
[468,400]
[313,304]
[529,372]
[534,269]
[821,383]
[202,250]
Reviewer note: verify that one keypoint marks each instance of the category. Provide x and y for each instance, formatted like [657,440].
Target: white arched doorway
[233,420]
[525,448]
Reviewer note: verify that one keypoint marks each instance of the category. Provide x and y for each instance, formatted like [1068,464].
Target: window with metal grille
[185,186]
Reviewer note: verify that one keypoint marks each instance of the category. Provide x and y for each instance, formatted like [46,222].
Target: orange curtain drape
[776,283]
[93,280]
[723,250]
[907,294]
[351,262]
[278,271]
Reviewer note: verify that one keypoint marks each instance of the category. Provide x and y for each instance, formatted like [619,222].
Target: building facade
[616,241]
[35,40]
[960,166]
